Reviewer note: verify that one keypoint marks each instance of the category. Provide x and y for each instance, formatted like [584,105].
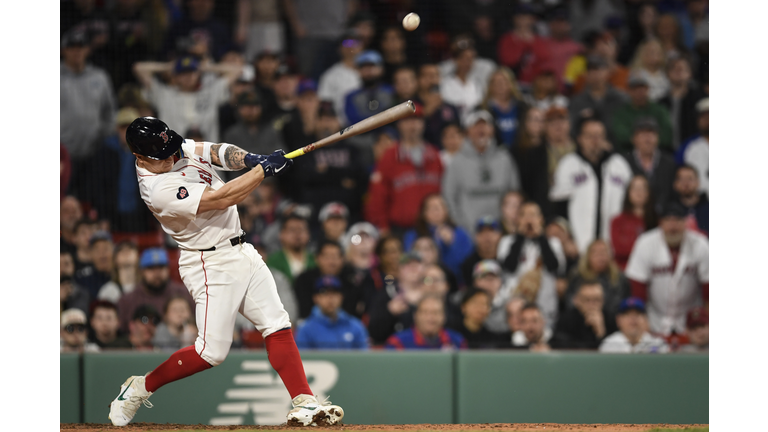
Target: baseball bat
[393,114]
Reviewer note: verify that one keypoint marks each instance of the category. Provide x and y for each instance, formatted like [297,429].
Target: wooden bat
[393,114]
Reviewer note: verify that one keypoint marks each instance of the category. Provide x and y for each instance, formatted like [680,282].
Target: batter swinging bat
[393,114]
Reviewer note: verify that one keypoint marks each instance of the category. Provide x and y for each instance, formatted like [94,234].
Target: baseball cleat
[132,394]
[308,411]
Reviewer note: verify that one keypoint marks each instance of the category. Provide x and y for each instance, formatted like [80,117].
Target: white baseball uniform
[575,181]
[671,291]
[223,277]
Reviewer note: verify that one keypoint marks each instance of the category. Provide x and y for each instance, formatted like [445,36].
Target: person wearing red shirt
[515,48]
[560,47]
[403,177]
[637,216]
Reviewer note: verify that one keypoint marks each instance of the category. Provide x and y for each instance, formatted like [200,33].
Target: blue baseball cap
[154,257]
[487,222]
[369,57]
[186,64]
[632,303]
[327,283]
[305,85]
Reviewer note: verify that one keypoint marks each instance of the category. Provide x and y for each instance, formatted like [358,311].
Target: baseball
[411,21]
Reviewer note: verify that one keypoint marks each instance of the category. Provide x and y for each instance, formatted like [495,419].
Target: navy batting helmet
[152,138]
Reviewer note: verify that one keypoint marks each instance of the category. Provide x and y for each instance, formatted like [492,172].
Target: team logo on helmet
[164,136]
[183,193]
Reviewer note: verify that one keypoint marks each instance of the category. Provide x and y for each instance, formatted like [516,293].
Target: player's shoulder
[698,239]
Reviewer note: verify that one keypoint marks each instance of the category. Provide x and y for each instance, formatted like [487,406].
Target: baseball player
[179,183]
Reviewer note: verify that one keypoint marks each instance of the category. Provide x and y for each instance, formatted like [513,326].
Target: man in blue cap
[329,327]
[154,289]
[632,336]
[487,236]
[374,96]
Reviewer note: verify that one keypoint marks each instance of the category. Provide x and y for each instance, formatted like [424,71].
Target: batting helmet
[152,138]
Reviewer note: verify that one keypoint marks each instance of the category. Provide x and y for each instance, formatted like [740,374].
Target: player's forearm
[233,157]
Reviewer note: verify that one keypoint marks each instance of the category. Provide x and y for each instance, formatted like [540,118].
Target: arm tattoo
[215,154]
[233,157]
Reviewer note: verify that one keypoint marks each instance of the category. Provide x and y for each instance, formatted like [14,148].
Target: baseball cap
[146,314]
[327,283]
[556,112]
[186,64]
[267,53]
[72,316]
[646,124]
[473,117]
[351,38]
[363,228]
[333,209]
[673,209]
[410,256]
[325,109]
[702,105]
[632,303]
[98,236]
[126,116]
[487,222]
[637,81]
[153,257]
[485,267]
[285,69]
[248,98]
[697,317]
[306,85]
[75,38]
[369,57]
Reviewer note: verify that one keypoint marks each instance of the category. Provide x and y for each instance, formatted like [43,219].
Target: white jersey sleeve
[178,198]
[563,186]
[637,267]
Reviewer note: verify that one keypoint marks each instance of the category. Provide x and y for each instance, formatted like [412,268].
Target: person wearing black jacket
[587,324]
[646,159]
[487,236]
[475,309]
[681,100]
[532,159]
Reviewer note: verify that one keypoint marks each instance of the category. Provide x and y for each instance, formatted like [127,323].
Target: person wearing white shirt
[343,77]
[632,336]
[696,153]
[464,78]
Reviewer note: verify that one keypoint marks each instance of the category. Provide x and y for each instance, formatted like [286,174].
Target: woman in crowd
[125,272]
[637,216]
[503,101]
[532,159]
[597,264]
[426,247]
[510,208]
[650,63]
[176,330]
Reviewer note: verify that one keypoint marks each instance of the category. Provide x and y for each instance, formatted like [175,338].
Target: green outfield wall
[407,387]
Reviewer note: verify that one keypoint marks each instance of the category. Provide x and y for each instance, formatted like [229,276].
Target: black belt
[234,241]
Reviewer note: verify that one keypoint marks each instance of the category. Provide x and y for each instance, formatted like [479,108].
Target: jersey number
[205,176]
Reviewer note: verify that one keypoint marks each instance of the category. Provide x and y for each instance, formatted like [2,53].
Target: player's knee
[215,353]
[278,323]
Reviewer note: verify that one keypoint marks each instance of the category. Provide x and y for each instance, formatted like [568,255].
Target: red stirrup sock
[285,359]
[181,364]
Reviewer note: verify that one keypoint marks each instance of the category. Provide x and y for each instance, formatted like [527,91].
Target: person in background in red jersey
[637,216]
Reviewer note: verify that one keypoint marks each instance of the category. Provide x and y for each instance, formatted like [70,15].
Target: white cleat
[132,395]
[308,411]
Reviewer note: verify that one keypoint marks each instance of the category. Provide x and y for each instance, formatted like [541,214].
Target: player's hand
[275,164]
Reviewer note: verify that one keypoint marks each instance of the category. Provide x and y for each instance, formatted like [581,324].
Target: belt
[234,241]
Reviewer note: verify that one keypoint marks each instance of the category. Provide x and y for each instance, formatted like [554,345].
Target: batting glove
[273,165]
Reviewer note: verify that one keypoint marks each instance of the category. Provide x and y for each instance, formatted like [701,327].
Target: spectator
[177,329]
[74,332]
[298,129]
[293,258]
[87,111]
[697,329]
[588,323]
[130,28]
[66,263]
[334,173]
[513,308]
[462,84]
[598,266]
[681,100]
[70,212]
[316,26]
[649,63]
[359,244]
[105,326]
[394,54]
[426,248]
[285,88]
[648,160]
[603,46]
[71,296]
[388,252]
[84,230]
[696,151]
[329,326]
[487,236]
[632,336]
[259,26]
[251,132]
[532,262]
[510,211]
[404,83]
[478,176]
[670,37]
[375,95]
[530,155]
[504,101]
[364,23]
[125,272]
[94,276]
[543,92]
[434,220]
[438,114]
[589,185]
[638,214]
[265,66]
[393,306]
[475,309]
[517,48]
[343,77]
[639,106]
[330,262]
[488,276]
[559,228]
[669,268]
[142,327]
[560,47]
[154,289]
[694,25]
[641,27]
[451,143]
[404,176]
[534,333]
[198,33]
[599,98]
[334,219]
[188,101]
[428,331]
[686,189]
[557,138]
[587,15]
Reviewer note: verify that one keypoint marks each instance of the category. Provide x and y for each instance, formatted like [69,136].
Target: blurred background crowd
[551,192]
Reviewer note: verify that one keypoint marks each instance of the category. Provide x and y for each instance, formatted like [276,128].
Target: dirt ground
[539,427]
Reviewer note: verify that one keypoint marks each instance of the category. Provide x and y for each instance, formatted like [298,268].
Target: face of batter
[155,166]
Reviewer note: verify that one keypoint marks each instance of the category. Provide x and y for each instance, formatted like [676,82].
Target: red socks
[181,364]
[285,359]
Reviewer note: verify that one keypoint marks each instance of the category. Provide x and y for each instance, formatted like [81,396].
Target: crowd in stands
[549,193]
